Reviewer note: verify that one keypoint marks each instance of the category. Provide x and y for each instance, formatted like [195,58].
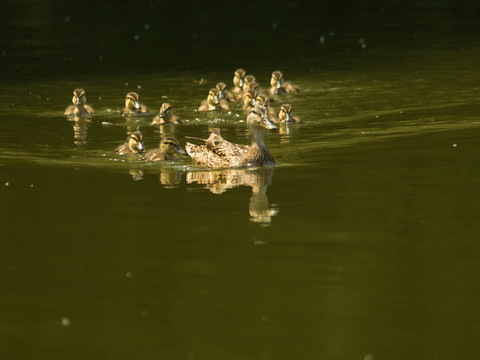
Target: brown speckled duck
[219,153]
[278,86]
[284,116]
[213,102]
[134,145]
[79,106]
[167,150]
[166,116]
[132,105]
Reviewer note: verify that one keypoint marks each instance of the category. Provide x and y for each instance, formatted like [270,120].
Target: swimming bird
[249,99]
[223,93]
[79,106]
[263,99]
[284,115]
[132,105]
[134,145]
[213,102]
[219,153]
[238,80]
[246,82]
[166,116]
[167,150]
[278,86]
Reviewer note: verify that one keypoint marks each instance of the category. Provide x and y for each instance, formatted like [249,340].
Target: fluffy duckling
[213,102]
[219,153]
[167,150]
[223,93]
[79,106]
[284,116]
[246,82]
[238,81]
[134,145]
[132,105]
[249,99]
[263,99]
[278,86]
[166,116]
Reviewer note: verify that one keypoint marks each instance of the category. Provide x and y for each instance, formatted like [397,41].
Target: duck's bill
[240,83]
[267,124]
[137,105]
[140,146]
[163,114]
[181,151]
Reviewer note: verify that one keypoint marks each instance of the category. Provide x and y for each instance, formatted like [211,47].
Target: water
[361,243]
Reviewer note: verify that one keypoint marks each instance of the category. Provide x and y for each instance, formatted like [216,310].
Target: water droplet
[129,274]
[136,37]
[65,321]
[7,184]
[147,26]
[67,18]
[454,145]
[322,39]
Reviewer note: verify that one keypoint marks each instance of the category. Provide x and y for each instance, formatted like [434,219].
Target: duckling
[79,106]
[134,145]
[223,93]
[132,105]
[280,87]
[263,99]
[220,153]
[246,82]
[238,80]
[249,99]
[166,116]
[285,117]
[167,150]
[213,102]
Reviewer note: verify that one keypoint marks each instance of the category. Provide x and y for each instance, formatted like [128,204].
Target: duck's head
[284,114]
[262,100]
[247,80]
[221,87]
[258,118]
[277,79]
[249,99]
[135,142]
[170,146]
[131,101]
[213,97]
[165,110]
[79,97]
[238,78]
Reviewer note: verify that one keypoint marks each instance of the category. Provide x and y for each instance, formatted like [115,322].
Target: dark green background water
[362,243]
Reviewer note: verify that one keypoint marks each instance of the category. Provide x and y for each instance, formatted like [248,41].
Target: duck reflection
[80,129]
[259,178]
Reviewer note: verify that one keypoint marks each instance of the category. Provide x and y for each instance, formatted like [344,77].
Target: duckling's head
[79,97]
[170,146]
[262,100]
[284,114]
[247,80]
[221,87]
[277,79]
[131,101]
[135,142]
[249,98]
[165,110]
[238,78]
[253,85]
[258,118]
[213,96]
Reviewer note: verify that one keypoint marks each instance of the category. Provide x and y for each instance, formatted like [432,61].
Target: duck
[284,116]
[223,93]
[218,153]
[278,86]
[213,102]
[166,116]
[79,106]
[249,99]
[238,80]
[246,82]
[132,105]
[264,100]
[167,150]
[134,145]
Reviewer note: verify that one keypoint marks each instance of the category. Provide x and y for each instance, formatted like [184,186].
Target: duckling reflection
[80,130]
[259,178]
[137,174]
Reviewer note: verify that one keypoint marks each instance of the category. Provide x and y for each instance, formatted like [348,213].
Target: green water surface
[361,243]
